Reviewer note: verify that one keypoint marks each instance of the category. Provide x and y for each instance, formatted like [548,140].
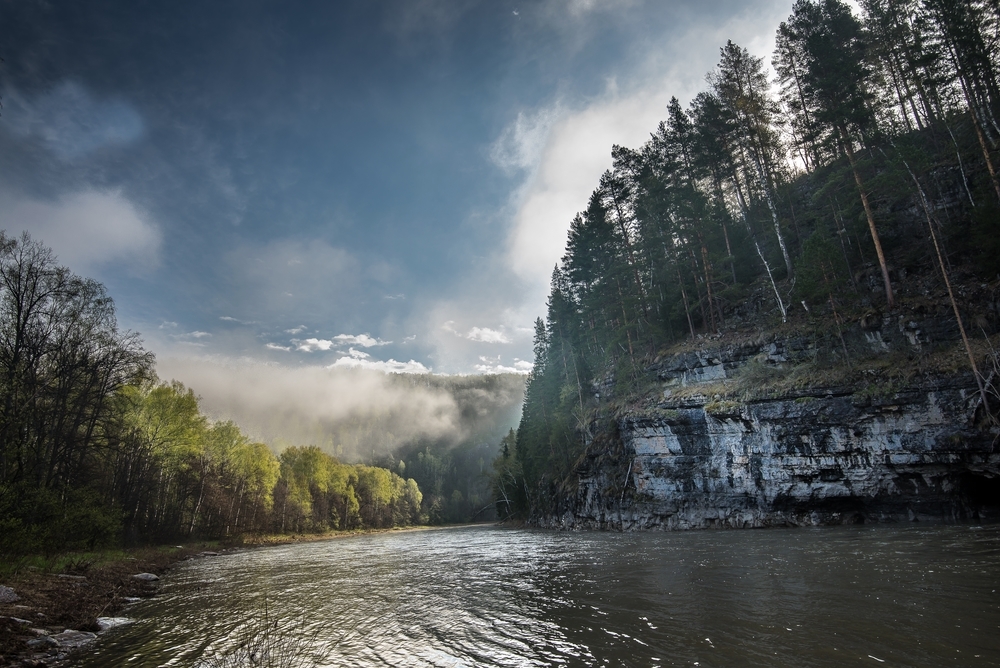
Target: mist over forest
[353,414]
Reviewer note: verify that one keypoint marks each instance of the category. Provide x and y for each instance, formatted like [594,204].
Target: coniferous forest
[96,450]
[854,177]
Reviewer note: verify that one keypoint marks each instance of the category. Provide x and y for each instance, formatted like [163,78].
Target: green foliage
[723,407]
[316,492]
[95,451]
[817,270]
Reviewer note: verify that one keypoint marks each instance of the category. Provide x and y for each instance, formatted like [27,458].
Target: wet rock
[71,639]
[8,595]
[106,623]
[146,577]
[43,642]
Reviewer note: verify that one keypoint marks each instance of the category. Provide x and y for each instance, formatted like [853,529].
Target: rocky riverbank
[46,616]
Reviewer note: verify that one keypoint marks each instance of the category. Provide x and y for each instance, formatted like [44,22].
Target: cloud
[198,335]
[521,143]
[87,229]
[275,346]
[349,408]
[229,318]
[296,330]
[71,122]
[477,334]
[486,335]
[488,365]
[362,340]
[364,361]
[312,345]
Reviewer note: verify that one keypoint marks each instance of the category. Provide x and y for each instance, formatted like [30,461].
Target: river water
[485,596]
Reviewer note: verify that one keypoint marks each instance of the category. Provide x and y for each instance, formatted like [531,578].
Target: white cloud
[388,366]
[71,122]
[486,335]
[296,330]
[198,335]
[312,345]
[477,334]
[521,143]
[362,340]
[489,365]
[309,404]
[87,230]
[275,346]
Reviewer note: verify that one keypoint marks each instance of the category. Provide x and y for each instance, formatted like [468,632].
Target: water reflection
[483,596]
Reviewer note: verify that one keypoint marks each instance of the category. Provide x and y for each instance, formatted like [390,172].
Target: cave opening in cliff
[982,491]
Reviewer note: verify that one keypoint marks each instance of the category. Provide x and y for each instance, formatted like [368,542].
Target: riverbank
[50,607]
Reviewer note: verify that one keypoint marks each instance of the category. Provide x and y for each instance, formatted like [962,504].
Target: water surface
[485,596]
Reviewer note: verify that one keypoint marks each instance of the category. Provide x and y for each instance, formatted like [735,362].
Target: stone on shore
[72,639]
[8,595]
[106,623]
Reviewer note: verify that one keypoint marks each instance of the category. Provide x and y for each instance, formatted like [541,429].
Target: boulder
[43,642]
[72,639]
[146,577]
[8,595]
[106,623]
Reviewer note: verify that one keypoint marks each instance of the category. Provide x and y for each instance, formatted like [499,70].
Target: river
[486,596]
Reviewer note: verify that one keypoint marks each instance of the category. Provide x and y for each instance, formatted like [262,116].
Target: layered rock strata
[826,456]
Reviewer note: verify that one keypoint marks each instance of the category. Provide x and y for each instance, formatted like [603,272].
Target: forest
[857,176]
[95,450]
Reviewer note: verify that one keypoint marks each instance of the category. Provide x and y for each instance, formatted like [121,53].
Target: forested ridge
[856,179]
[96,450]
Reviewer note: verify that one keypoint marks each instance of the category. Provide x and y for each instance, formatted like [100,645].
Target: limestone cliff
[722,444]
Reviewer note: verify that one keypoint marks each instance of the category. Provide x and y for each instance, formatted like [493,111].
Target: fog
[352,413]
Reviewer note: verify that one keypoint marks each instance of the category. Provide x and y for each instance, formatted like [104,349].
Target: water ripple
[496,597]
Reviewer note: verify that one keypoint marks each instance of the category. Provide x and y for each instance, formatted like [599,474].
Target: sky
[355,184]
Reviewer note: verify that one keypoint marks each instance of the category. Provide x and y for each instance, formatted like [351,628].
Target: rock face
[823,457]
